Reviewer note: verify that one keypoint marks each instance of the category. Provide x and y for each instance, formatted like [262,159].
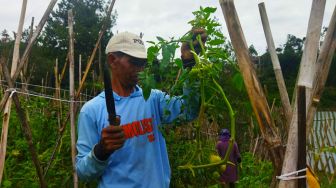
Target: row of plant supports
[74,96]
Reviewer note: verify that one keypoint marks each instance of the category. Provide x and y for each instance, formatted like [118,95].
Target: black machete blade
[109,99]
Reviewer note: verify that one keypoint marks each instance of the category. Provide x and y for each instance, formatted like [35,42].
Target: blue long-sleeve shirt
[143,160]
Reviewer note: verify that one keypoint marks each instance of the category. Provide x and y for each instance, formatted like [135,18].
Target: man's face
[126,70]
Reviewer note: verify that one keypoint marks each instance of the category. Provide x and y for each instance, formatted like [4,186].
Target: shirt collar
[136,93]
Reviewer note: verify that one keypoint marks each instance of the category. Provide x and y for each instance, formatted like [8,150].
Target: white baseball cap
[128,43]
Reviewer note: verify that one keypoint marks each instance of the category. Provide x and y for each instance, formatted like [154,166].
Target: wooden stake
[64,68]
[56,78]
[304,78]
[323,65]
[80,68]
[276,65]
[253,87]
[72,98]
[4,135]
[1,88]
[25,126]
[80,74]
[101,77]
[7,110]
[58,94]
[301,164]
[25,67]
[16,53]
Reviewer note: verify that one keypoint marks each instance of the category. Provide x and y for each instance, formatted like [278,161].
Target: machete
[109,99]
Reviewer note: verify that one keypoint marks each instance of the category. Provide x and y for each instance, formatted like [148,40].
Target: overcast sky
[168,18]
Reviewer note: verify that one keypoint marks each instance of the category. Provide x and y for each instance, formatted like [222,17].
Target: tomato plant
[214,70]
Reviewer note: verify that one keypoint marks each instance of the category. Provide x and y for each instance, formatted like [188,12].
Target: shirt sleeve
[87,165]
[182,107]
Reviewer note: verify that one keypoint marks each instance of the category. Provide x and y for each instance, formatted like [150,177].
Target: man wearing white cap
[133,154]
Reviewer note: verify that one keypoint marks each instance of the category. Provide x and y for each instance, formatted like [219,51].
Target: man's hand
[112,138]
[186,56]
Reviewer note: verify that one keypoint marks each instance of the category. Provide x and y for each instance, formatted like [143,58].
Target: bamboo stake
[323,65]
[61,131]
[99,64]
[7,110]
[25,55]
[4,135]
[16,53]
[1,86]
[306,67]
[80,73]
[309,56]
[80,68]
[25,67]
[253,87]
[72,97]
[276,65]
[64,68]
[302,157]
[42,83]
[56,77]
[25,126]
[58,94]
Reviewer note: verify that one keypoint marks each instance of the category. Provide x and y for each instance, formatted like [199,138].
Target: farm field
[276,109]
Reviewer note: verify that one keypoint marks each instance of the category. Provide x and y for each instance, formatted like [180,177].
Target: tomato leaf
[238,81]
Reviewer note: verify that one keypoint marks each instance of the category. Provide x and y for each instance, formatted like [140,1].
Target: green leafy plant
[255,172]
[214,70]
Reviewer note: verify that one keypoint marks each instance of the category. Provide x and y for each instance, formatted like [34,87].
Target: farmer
[133,154]
[230,175]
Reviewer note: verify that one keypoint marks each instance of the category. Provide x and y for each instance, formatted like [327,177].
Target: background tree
[89,16]
[6,44]
[290,56]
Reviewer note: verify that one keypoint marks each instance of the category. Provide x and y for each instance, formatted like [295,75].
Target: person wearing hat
[133,154]
[230,175]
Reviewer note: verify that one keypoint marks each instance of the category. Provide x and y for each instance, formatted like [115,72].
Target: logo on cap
[138,41]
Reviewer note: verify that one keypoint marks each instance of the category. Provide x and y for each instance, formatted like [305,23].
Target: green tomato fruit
[222,168]
[214,158]
[215,175]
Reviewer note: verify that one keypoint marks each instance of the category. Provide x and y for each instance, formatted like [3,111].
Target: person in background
[134,153]
[230,175]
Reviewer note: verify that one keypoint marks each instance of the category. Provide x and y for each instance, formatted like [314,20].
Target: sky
[168,18]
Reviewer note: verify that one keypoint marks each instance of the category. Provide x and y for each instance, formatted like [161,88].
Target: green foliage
[214,72]
[180,154]
[19,168]
[6,44]
[290,58]
[255,172]
[217,61]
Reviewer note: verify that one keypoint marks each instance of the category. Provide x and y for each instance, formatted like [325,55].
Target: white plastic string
[46,87]
[289,177]
[13,90]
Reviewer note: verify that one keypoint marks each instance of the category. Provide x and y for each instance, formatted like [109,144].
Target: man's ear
[111,59]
